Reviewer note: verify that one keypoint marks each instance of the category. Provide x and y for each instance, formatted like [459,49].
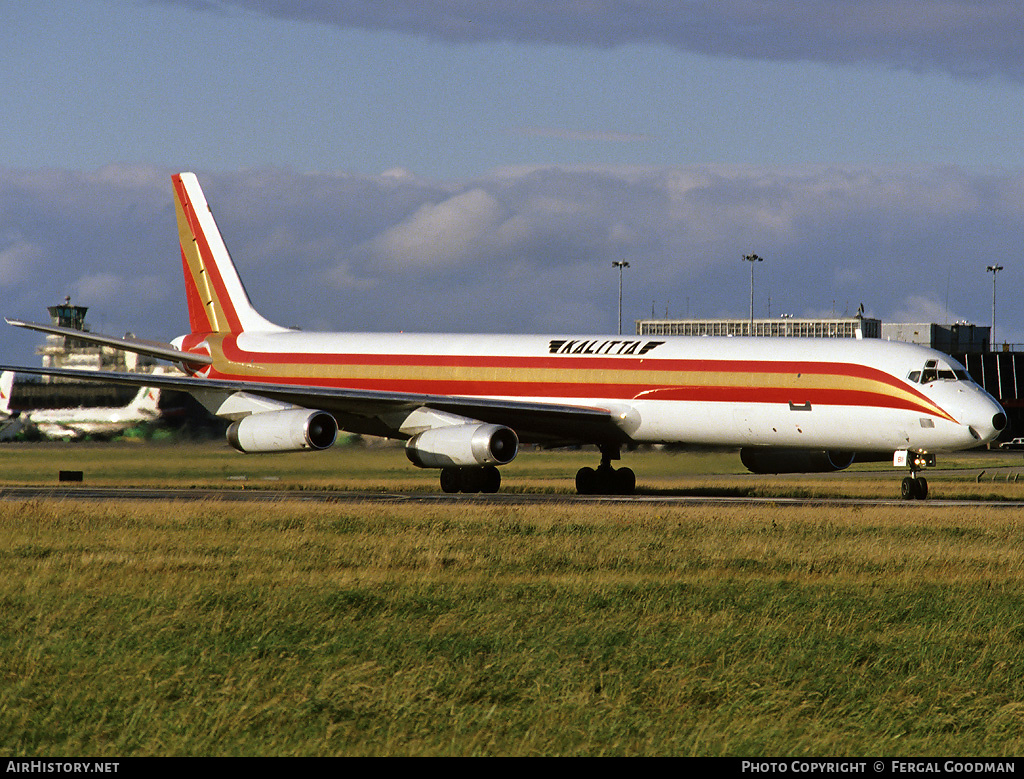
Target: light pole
[620,264]
[993,269]
[752,258]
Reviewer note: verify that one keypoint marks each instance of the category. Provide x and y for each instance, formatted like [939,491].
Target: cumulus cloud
[961,37]
[919,308]
[520,250]
[103,287]
[110,290]
[439,235]
[16,256]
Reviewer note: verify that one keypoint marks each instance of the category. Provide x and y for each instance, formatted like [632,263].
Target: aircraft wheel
[586,481]
[450,480]
[472,479]
[491,479]
[625,481]
[914,488]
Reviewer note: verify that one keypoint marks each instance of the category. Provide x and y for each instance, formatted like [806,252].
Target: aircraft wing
[370,412]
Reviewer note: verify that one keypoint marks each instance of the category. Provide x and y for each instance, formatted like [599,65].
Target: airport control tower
[60,351]
[67,315]
[66,352]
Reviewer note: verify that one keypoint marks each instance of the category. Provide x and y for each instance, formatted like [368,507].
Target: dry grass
[483,628]
[207,628]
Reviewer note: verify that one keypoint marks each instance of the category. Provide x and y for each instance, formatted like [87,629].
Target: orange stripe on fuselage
[741,381]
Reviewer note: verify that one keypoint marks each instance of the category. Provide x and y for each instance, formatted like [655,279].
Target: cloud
[439,235]
[16,256]
[99,287]
[972,38]
[526,249]
[919,308]
[109,290]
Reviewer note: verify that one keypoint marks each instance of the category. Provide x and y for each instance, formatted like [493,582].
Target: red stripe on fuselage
[576,389]
[233,352]
[567,390]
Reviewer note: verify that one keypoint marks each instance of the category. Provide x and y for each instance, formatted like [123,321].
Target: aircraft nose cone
[990,419]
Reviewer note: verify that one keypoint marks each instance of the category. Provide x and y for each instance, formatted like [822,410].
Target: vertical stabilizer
[217,300]
[6,387]
[146,402]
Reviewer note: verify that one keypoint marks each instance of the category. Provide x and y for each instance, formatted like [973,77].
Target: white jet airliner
[81,421]
[463,403]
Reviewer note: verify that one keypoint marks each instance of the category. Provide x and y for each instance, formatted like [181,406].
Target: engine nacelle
[794,460]
[463,446]
[288,430]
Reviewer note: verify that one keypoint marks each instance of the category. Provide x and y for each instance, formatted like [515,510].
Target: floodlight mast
[620,264]
[752,258]
[993,269]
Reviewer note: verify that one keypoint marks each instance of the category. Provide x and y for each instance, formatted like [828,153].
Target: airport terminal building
[786,327]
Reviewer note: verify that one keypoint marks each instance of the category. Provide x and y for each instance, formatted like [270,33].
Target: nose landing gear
[913,487]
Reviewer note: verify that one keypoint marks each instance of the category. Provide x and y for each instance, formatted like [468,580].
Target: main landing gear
[485,479]
[603,480]
[913,487]
[606,480]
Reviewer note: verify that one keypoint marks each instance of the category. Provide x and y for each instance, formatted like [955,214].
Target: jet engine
[288,430]
[794,460]
[466,445]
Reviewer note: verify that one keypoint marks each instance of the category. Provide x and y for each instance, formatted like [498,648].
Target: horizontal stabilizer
[156,349]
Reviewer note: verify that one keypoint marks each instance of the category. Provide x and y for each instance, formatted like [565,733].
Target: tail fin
[217,300]
[6,386]
[146,401]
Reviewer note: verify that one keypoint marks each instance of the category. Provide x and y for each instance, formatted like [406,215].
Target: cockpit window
[935,371]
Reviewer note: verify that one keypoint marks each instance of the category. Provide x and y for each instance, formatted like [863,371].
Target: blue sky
[439,164]
[232,88]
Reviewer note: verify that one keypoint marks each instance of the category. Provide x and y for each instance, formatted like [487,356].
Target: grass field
[359,629]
